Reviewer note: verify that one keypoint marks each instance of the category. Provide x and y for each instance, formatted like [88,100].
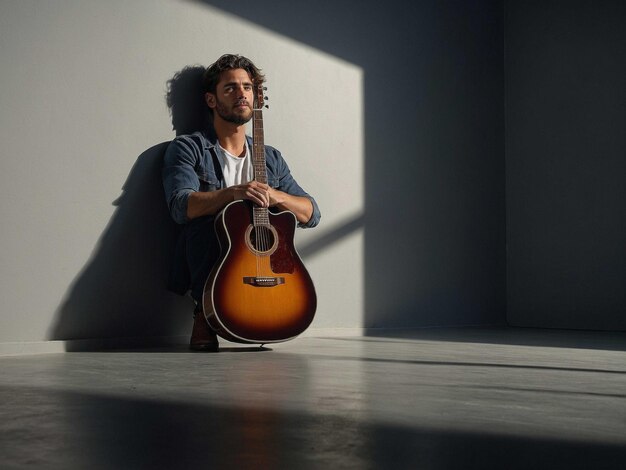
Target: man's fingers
[258,196]
[256,192]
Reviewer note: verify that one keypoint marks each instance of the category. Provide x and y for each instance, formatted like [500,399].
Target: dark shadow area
[331,237]
[566,162]
[575,339]
[494,365]
[143,346]
[121,298]
[122,291]
[63,429]
[433,89]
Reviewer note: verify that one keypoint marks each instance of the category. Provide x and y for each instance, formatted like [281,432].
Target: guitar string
[263,233]
[258,176]
[256,228]
[263,242]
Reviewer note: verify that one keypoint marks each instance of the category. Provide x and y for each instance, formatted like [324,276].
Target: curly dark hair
[229,62]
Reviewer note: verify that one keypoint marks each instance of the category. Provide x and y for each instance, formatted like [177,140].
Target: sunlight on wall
[83,87]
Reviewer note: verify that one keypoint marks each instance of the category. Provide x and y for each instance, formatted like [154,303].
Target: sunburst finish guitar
[259,291]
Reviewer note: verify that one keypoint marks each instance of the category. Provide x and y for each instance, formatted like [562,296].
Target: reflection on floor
[428,399]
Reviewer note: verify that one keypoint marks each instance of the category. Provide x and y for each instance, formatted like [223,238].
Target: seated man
[205,171]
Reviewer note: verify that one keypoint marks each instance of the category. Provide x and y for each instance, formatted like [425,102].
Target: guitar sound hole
[262,240]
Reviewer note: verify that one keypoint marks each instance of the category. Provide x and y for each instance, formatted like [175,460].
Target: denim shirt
[191,164]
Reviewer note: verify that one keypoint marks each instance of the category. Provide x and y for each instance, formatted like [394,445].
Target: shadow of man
[122,291]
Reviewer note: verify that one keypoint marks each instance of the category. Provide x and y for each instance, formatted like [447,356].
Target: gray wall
[566,163]
[389,113]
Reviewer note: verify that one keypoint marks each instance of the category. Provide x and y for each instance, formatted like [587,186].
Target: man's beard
[231,116]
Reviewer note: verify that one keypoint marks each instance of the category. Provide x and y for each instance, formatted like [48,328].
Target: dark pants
[196,252]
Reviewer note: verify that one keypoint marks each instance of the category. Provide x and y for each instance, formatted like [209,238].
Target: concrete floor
[429,399]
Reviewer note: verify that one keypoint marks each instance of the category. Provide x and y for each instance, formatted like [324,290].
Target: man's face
[234,97]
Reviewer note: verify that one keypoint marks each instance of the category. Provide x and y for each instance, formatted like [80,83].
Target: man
[205,171]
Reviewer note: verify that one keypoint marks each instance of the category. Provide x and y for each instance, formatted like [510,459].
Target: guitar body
[259,290]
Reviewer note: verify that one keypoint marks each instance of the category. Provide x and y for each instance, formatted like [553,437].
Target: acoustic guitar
[259,290]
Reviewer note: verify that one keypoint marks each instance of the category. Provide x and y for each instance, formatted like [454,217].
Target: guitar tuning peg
[264,88]
[267,106]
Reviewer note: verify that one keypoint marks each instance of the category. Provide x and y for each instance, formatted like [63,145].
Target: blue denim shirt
[191,164]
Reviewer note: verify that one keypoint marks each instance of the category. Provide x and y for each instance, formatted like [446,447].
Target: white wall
[81,108]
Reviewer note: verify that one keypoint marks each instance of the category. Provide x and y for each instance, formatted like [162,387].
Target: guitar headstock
[260,98]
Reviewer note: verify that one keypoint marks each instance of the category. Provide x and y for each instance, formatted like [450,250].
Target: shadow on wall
[122,292]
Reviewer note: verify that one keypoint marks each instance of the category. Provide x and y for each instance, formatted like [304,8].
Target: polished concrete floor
[428,399]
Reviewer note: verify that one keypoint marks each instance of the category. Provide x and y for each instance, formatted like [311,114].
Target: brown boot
[203,338]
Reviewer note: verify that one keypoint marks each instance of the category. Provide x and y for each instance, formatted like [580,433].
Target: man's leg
[203,338]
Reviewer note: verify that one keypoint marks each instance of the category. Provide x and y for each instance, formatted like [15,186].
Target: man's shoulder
[199,140]
[273,155]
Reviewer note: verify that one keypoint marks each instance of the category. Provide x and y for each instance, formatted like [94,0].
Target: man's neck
[231,137]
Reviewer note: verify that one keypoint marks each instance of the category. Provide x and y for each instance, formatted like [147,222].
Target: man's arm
[210,203]
[287,193]
[186,201]
[301,206]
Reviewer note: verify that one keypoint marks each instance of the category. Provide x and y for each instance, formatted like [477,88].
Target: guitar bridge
[263,281]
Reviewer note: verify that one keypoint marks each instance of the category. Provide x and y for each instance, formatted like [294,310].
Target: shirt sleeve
[179,176]
[288,184]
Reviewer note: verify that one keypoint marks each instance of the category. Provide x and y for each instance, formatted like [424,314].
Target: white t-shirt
[236,170]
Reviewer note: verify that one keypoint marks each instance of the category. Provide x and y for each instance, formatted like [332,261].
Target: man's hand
[205,203]
[254,191]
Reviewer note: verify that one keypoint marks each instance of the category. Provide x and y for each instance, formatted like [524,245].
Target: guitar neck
[260,214]
[258,144]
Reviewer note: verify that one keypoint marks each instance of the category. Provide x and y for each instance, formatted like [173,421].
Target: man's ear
[210,99]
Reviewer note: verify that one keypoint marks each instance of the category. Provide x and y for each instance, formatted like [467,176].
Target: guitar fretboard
[258,147]
[260,214]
